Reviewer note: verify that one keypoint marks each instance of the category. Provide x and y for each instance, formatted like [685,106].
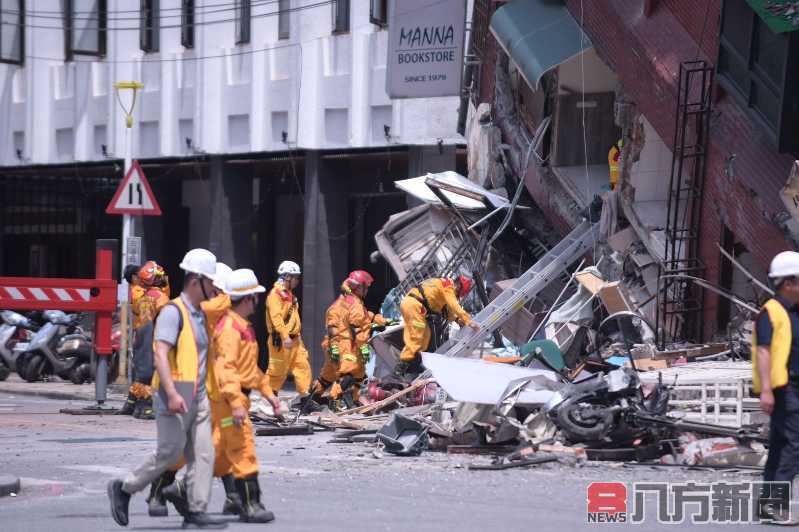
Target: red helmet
[149,272]
[358,278]
[466,285]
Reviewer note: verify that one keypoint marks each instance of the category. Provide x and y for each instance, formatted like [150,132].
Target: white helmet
[288,267]
[784,264]
[242,282]
[222,271]
[199,261]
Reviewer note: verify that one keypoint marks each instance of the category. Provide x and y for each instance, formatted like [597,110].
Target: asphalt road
[65,462]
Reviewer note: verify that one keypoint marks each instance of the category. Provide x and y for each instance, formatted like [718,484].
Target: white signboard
[425,48]
[134,250]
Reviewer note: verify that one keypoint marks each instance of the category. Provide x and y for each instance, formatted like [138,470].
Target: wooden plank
[388,400]
[613,298]
[590,281]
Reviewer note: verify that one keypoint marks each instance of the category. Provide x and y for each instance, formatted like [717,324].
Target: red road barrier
[97,295]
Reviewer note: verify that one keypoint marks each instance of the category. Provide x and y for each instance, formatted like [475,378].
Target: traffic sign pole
[127,222]
[127,230]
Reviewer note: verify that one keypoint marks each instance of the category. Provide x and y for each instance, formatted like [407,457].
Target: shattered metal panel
[476,381]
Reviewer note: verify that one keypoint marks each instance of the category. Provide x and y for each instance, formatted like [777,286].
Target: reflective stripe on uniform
[226,422]
[350,358]
[419,324]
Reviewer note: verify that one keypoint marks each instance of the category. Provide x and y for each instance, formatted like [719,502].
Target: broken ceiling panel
[407,236]
[450,183]
[480,382]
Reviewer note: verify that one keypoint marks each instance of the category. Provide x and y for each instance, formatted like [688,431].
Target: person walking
[775,373]
[183,420]
[287,352]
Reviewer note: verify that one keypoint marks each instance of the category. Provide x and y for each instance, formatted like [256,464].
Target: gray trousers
[187,435]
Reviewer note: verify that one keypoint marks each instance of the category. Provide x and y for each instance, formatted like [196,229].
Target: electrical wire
[172,26]
[197,9]
[588,199]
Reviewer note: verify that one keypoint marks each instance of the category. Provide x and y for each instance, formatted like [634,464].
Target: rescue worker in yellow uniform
[237,373]
[614,156]
[438,296]
[148,295]
[214,309]
[287,352]
[346,347]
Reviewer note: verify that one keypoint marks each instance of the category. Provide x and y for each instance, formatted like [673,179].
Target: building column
[230,213]
[423,159]
[324,258]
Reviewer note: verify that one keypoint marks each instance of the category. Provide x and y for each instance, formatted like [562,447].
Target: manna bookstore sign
[425,48]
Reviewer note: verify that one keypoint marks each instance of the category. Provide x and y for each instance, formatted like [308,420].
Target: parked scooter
[60,347]
[16,331]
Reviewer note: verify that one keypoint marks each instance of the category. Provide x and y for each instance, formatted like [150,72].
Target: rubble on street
[566,365]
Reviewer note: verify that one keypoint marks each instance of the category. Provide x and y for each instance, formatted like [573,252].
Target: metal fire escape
[680,301]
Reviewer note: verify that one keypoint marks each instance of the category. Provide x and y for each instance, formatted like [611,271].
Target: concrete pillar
[230,213]
[423,159]
[324,258]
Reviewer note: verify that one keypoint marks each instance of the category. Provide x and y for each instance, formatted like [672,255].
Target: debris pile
[566,362]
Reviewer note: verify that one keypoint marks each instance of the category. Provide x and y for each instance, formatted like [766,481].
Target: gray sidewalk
[60,389]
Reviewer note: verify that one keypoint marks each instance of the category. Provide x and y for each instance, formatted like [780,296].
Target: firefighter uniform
[346,349]
[283,322]
[614,155]
[237,372]
[432,296]
[146,302]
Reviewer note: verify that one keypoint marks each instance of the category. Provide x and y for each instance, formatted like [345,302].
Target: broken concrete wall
[484,141]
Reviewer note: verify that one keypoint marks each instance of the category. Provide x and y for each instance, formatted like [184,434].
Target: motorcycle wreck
[605,408]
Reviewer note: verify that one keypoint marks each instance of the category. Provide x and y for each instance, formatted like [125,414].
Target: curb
[8,485]
[56,394]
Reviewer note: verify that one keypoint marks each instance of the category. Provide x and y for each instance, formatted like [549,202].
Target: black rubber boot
[144,409]
[156,504]
[252,511]
[128,407]
[203,520]
[232,504]
[401,369]
[176,494]
[120,501]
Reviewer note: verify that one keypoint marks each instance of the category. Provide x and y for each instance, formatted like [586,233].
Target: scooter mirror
[13,318]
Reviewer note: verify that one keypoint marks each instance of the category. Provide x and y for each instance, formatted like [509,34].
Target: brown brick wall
[645,52]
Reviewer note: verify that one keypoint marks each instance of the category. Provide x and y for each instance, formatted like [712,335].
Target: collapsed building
[618,288]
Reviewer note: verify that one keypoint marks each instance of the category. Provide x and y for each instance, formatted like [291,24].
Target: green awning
[538,35]
[780,16]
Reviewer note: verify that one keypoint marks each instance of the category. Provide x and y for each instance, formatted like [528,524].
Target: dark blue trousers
[783,445]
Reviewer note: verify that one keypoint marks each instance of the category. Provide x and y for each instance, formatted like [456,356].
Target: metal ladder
[431,265]
[526,287]
[680,301]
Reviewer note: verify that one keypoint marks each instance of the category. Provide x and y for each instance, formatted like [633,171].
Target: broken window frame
[749,83]
[187,24]
[378,13]
[7,18]
[149,26]
[243,9]
[284,19]
[98,17]
[341,16]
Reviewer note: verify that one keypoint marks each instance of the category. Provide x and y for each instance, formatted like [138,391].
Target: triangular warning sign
[134,195]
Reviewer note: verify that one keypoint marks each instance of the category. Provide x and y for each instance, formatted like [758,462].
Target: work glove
[334,353]
[366,353]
